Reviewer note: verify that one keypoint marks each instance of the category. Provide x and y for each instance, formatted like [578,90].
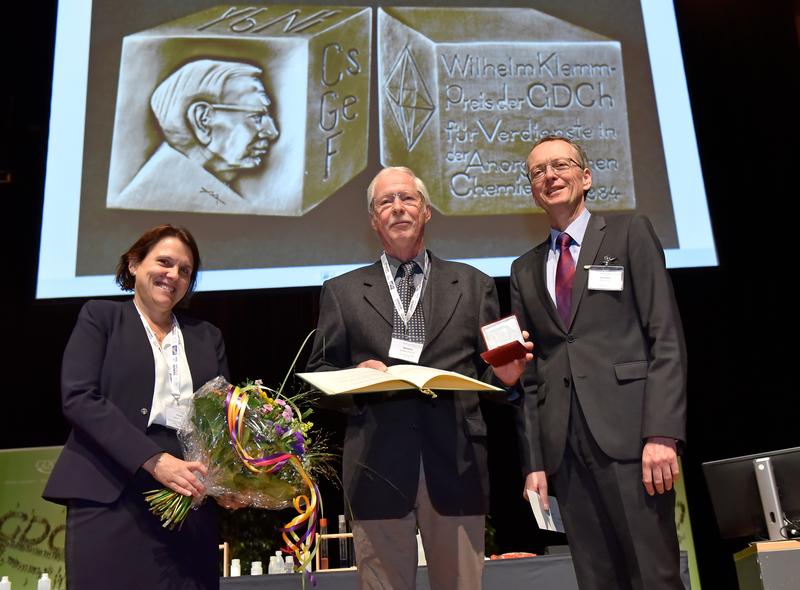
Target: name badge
[176,415]
[405,350]
[606,278]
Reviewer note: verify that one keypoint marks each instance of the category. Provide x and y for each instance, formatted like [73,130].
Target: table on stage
[546,571]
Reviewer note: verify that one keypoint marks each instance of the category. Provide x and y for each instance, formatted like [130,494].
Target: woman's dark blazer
[107,382]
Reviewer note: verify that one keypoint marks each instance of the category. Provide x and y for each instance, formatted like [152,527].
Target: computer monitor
[745,508]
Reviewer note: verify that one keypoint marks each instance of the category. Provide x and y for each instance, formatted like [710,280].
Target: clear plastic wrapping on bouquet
[244,451]
[254,443]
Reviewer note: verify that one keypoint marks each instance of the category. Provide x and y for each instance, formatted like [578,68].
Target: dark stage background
[741,63]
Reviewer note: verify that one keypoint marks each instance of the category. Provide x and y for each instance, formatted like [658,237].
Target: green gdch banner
[684,525]
[31,530]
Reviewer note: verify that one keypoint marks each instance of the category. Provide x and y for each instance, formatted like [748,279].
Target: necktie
[565,270]
[415,330]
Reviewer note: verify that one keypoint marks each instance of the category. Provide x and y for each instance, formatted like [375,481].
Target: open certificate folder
[362,380]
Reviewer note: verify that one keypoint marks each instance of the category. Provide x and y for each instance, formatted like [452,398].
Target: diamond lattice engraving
[410,101]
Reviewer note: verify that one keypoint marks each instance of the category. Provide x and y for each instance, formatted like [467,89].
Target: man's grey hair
[418,184]
[202,80]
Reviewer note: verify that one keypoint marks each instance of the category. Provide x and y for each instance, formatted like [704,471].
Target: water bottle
[274,567]
[323,544]
[344,557]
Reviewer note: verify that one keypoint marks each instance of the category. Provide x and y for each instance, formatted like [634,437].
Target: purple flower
[298,446]
[280,430]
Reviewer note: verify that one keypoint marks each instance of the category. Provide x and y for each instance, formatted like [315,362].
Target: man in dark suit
[605,400]
[411,459]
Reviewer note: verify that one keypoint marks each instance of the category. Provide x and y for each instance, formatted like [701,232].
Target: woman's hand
[176,474]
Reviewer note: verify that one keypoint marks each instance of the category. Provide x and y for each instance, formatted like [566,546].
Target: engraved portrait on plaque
[215,119]
[465,92]
[242,109]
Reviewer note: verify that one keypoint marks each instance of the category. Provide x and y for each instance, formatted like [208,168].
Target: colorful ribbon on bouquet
[300,532]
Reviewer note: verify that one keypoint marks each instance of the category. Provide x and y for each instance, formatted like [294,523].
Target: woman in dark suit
[128,375]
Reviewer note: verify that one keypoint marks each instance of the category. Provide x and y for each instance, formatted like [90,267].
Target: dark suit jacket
[623,353]
[387,432]
[107,382]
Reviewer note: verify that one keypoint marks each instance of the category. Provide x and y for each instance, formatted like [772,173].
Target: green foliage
[253,534]
[490,541]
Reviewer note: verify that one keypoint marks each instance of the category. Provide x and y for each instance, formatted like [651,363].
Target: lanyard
[398,305]
[172,360]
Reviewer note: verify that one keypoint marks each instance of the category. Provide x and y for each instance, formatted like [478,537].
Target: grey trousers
[386,550]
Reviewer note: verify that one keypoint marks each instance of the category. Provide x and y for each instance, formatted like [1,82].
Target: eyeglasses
[258,114]
[384,202]
[559,166]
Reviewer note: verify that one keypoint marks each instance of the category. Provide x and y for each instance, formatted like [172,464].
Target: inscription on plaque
[466,91]
[242,109]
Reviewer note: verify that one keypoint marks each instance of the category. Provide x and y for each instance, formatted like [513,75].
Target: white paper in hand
[548,520]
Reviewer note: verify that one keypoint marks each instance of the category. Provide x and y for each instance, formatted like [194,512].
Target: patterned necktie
[415,330]
[565,270]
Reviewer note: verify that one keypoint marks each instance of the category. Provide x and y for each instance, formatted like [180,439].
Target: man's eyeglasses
[258,114]
[559,166]
[385,201]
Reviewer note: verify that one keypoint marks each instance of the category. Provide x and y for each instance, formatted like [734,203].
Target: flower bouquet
[257,447]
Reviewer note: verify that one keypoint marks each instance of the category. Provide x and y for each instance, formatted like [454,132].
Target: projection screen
[318,98]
